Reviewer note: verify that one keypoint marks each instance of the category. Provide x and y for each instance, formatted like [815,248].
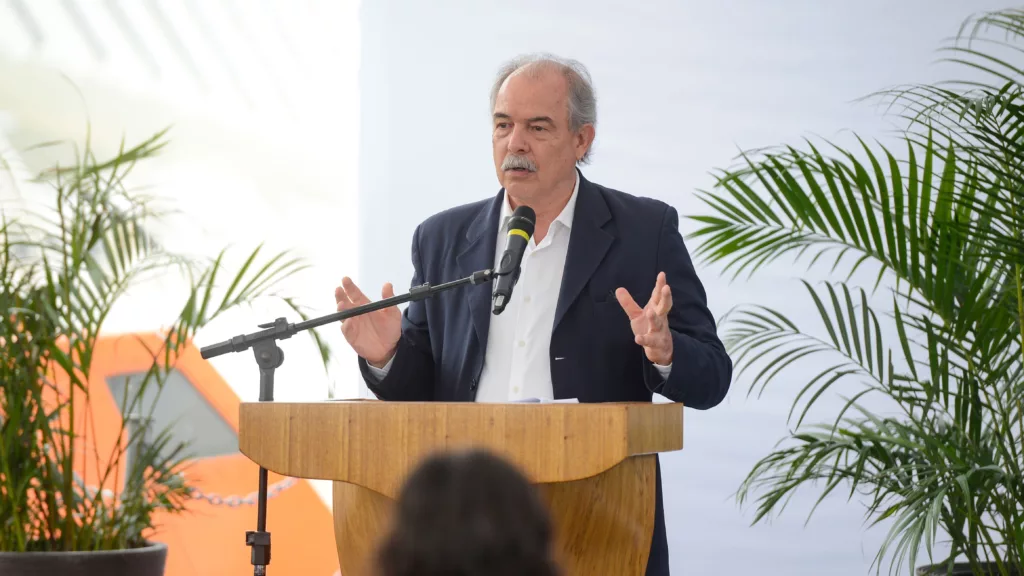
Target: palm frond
[945,222]
[62,275]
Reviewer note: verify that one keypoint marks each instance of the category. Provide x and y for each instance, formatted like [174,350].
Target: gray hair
[582,101]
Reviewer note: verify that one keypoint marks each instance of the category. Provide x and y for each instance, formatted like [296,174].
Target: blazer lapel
[481,243]
[588,244]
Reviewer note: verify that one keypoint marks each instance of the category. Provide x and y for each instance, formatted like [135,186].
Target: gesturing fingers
[655,322]
[355,295]
[656,294]
[650,327]
[341,297]
[664,303]
[632,309]
[649,340]
[388,291]
[653,340]
[640,325]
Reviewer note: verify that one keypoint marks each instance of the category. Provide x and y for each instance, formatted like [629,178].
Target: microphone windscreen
[524,219]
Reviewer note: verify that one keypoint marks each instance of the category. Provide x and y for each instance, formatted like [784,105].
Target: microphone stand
[270,357]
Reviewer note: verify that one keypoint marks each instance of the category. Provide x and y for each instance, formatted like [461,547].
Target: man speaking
[607,306]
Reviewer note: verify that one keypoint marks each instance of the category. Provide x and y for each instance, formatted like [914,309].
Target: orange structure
[209,538]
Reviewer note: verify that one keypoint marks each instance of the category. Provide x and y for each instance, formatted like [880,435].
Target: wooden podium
[594,465]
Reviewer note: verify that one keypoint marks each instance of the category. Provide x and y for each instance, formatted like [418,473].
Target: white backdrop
[681,87]
[263,106]
[263,103]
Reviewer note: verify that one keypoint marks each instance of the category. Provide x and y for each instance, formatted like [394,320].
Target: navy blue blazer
[616,240]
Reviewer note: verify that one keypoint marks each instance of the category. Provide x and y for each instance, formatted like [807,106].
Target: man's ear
[584,139]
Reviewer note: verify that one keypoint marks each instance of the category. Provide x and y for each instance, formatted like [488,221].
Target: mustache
[514,161]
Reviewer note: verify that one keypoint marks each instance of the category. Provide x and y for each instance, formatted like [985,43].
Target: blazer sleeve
[701,367]
[411,375]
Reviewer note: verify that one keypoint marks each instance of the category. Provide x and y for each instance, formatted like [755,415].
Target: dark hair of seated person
[467,514]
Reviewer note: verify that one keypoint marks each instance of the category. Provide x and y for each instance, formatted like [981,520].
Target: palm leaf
[63,272]
[945,223]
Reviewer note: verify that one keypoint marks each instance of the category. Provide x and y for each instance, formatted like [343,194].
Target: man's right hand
[373,336]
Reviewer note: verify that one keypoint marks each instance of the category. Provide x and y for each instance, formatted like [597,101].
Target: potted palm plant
[64,507]
[932,435]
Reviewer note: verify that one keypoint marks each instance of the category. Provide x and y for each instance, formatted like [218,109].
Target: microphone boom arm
[281,329]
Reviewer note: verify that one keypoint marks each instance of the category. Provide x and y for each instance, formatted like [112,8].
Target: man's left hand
[650,323]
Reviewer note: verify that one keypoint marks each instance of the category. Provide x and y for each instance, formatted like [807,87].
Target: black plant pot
[959,569]
[148,561]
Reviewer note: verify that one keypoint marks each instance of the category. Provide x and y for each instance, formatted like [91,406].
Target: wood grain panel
[603,524]
[376,444]
[361,520]
[654,430]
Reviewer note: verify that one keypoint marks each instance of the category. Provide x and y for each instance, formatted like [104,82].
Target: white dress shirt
[517,362]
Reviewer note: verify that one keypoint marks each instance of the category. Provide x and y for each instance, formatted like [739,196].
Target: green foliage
[61,274]
[942,223]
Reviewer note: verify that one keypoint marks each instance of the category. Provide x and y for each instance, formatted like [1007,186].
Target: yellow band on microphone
[519,232]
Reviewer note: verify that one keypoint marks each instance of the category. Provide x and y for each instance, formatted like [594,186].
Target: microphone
[520,229]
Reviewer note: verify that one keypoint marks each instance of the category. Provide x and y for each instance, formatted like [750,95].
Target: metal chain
[233,501]
[248,500]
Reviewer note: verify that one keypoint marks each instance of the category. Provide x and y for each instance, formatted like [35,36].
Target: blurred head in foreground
[467,514]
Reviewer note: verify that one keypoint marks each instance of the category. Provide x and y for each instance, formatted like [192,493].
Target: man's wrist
[380,364]
[662,358]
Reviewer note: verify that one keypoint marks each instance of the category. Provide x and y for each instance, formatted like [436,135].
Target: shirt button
[522,343]
[516,389]
[526,299]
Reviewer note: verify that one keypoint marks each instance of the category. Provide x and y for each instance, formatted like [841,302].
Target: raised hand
[373,336]
[650,323]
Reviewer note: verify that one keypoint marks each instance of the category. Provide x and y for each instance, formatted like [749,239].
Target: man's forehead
[531,80]
[529,99]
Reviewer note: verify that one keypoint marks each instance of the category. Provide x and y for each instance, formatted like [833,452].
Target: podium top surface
[376,444]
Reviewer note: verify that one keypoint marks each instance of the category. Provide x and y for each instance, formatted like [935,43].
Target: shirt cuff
[663,371]
[380,373]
